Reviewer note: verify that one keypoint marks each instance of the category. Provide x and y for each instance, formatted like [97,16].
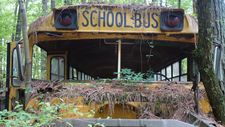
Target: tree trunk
[44,7]
[52,4]
[194,2]
[161,3]
[179,3]
[26,50]
[211,31]
[146,2]
[1,64]
[15,18]
[84,1]
[44,12]
[27,1]
[154,1]
[68,2]
[18,26]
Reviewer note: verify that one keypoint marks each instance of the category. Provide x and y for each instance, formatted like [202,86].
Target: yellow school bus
[88,42]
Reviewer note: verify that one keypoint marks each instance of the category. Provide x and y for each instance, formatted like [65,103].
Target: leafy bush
[2,81]
[128,74]
[45,116]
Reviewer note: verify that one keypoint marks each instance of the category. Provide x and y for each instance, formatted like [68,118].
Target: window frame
[32,60]
[180,74]
[50,72]
[12,66]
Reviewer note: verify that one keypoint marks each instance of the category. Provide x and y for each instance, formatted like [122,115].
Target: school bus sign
[124,20]
[119,19]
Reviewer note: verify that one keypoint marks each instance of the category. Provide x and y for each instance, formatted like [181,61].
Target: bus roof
[96,20]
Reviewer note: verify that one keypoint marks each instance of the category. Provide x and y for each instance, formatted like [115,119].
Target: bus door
[14,75]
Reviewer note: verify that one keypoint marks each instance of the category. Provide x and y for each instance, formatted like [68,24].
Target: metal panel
[115,19]
[118,19]
[8,75]
[123,123]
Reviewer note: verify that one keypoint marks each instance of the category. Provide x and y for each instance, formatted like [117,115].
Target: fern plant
[128,74]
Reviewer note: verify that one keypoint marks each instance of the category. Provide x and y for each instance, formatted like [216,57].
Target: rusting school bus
[88,42]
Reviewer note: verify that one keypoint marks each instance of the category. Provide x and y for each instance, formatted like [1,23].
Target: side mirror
[20,63]
[17,65]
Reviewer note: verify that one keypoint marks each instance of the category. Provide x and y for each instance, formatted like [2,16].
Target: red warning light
[172,20]
[65,19]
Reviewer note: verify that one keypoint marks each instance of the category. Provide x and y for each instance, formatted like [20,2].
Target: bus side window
[39,63]
[57,68]
[73,74]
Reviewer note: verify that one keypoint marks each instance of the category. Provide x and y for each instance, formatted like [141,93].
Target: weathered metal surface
[114,19]
[47,36]
[122,123]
